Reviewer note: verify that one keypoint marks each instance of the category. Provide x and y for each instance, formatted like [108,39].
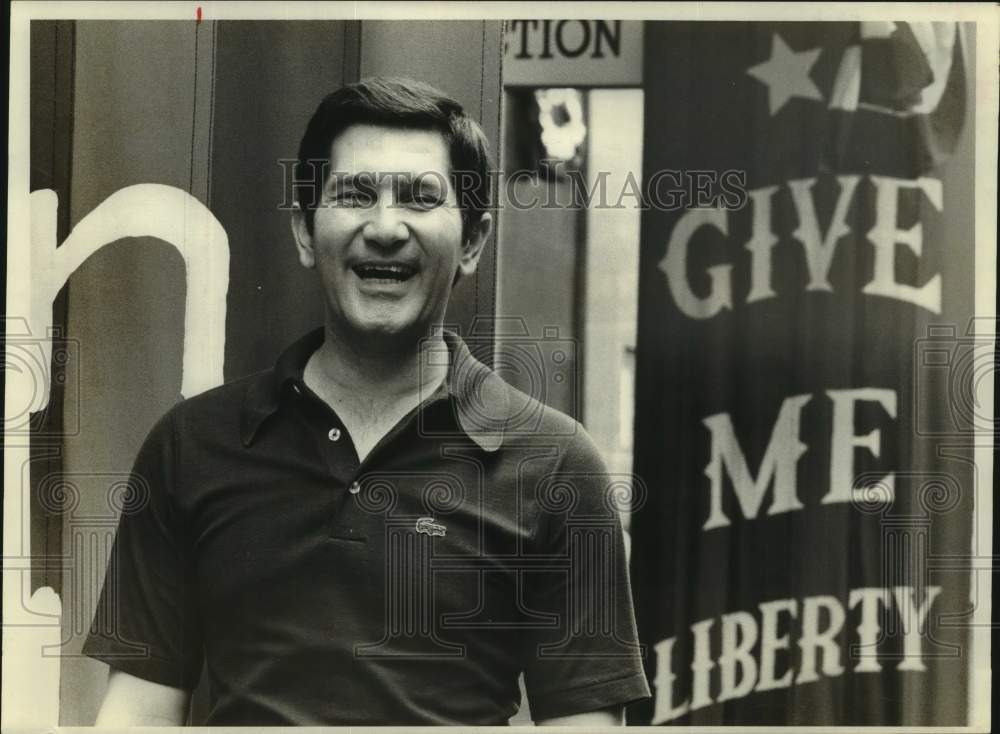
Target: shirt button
[334,434]
[354,488]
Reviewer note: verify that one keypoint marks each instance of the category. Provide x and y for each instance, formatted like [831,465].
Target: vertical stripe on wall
[51,143]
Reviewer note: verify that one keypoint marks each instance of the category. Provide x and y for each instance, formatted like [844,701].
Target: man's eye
[419,200]
[352,198]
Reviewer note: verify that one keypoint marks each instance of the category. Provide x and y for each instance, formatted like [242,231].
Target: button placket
[329,435]
[346,523]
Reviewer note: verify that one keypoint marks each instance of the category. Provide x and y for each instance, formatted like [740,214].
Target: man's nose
[385,226]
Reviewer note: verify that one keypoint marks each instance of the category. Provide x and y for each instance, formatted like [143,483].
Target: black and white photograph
[500,365]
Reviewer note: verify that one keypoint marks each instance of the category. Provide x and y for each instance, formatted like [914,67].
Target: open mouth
[384,272]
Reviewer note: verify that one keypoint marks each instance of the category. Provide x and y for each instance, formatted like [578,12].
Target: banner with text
[804,358]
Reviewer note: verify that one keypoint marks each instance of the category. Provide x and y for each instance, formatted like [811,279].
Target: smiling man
[371,532]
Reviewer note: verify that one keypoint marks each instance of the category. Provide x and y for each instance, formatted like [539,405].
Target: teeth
[395,272]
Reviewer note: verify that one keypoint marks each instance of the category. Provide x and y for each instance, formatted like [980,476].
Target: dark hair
[402,103]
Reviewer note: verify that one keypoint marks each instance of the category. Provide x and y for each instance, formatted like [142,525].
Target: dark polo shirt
[479,539]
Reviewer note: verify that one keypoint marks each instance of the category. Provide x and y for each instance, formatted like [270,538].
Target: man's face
[387,236]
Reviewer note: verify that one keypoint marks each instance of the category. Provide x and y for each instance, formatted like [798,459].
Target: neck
[374,370]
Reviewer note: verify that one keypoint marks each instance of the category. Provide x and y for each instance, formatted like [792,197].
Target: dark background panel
[269,77]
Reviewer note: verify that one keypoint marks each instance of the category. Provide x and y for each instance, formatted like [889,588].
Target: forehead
[373,148]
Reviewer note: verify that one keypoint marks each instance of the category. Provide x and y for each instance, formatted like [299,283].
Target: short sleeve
[146,623]
[582,654]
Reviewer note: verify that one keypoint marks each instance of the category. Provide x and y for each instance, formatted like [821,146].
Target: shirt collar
[482,398]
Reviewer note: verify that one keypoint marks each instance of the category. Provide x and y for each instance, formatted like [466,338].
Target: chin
[386,327]
[384,321]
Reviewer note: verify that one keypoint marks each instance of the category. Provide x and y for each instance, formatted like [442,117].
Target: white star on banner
[786,74]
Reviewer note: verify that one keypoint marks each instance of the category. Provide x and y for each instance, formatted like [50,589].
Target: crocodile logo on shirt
[428,526]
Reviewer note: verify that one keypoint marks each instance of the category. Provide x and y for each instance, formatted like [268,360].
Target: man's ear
[303,239]
[479,233]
